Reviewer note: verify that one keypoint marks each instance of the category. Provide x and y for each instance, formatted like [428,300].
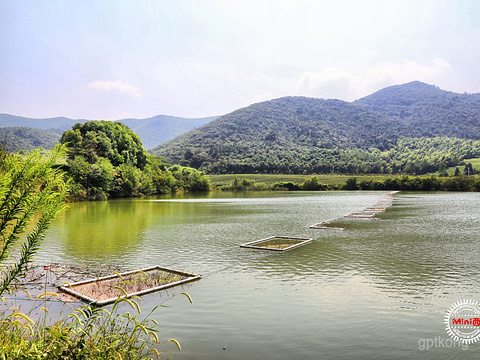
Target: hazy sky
[114,59]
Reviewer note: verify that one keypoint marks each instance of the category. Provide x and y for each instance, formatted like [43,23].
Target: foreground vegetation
[87,333]
[32,195]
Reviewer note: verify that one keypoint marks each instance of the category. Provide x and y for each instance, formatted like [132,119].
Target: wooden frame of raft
[68,288]
[302,241]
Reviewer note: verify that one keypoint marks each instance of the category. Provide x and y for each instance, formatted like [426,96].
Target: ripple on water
[372,290]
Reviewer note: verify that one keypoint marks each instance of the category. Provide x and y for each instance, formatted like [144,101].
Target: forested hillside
[153,131]
[424,155]
[13,139]
[430,110]
[390,131]
[291,134]
[413,128]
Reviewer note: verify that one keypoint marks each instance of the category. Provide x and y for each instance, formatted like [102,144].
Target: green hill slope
[159,129]
[57,124]
[17,138]
[430,110]
[153,131]
[290,134]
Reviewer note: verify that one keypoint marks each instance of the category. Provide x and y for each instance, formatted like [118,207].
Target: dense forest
[297,135]
[16,138]
[434,112]
[410,156]
[287,135]
[107,160]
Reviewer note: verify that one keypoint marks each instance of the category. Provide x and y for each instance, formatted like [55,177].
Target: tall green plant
[32,195]
[89,332]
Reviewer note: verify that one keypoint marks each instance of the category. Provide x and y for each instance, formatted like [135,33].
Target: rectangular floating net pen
[362,216]
[330,226]
[277,243]
[107,289]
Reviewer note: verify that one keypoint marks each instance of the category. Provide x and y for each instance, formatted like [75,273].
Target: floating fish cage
[277,243]
[362,216]
[375,209]
[330,226]
[108,289]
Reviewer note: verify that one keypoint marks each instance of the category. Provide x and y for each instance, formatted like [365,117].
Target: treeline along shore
[363,182]
[107,160]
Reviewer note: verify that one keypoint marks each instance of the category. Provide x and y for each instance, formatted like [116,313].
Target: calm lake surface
[373,291]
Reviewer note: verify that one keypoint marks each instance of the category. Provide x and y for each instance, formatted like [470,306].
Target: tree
[105,139]
[190,179]
[468,170]
[32,191]
[313,183]
[351,184]
[107,160]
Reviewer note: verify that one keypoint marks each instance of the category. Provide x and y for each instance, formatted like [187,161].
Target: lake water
[378,290]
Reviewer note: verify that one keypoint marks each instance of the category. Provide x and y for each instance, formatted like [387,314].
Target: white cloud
[336,83]
[384,73]
[114,86]
[331,83]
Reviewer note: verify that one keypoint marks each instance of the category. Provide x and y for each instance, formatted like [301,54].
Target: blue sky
[193,58]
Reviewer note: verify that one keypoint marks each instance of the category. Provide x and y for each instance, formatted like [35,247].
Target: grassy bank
[327,179]
[241,182]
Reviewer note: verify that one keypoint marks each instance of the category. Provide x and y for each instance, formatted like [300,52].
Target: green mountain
[430,110]
[306,135]
[161,128]
[289,134]
[57,124]
[411,128]
[17,138]
[153,131]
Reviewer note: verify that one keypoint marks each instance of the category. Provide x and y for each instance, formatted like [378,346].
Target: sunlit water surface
[373,291]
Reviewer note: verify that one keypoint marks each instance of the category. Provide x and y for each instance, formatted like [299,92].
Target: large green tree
[105,139]
[104,159]
[107,160]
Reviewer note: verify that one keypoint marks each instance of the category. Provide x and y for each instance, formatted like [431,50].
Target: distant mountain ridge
[153,131]
[309,135]
[434,112]
[275,131]
[16,138]
[291,132]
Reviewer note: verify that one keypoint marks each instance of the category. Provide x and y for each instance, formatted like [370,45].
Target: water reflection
[203,231]
[375,288]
